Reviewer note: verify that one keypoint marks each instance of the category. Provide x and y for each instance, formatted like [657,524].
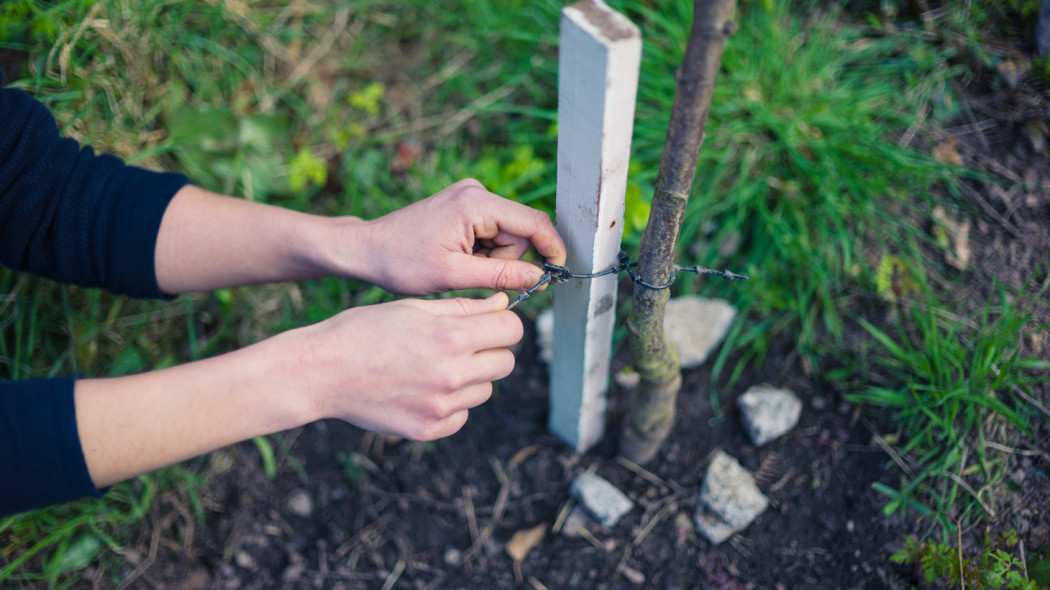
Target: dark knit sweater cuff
[126,226]
[41,461]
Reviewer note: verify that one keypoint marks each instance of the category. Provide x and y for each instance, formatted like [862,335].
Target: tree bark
[651,410]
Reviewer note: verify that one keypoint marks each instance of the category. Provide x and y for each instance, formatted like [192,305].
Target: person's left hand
[463,237]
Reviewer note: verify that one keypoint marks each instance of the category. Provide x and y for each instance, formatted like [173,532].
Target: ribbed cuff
[41,460]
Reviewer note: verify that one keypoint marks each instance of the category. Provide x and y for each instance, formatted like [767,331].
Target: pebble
[627,378]
[545,335]
[601,499]
[300,504]
[453,556]
[695,326]
[243,560]
[768,412]
[729,499]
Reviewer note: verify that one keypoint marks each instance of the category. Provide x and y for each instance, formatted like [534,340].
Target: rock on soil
[729,499]
[545,335]
[768,412]
[601,499]
[300,504]
[696,326]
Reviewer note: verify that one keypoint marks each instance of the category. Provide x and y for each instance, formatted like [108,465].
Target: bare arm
[412,368]
[463,237]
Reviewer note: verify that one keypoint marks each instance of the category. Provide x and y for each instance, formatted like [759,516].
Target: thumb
[480,272]
[463,307]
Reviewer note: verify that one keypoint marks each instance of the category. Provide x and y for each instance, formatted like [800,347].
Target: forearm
[208,241]
[135,424]
[411,368]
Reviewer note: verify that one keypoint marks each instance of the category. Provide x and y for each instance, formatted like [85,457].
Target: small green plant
[993,568]
[959,393]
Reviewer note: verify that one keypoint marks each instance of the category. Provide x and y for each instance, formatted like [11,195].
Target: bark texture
[650,413]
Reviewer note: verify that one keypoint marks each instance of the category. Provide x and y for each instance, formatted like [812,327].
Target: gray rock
[545,335]
[696,326]
[1042,29]
[627,379]
[453,556]
[244,560]
[601,499]
[768,412]
[729,499]
[300,504]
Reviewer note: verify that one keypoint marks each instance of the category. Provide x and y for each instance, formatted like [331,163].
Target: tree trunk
[651,411]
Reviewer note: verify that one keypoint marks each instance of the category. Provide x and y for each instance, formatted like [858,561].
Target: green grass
[959,391]
[995,566]
[802,184]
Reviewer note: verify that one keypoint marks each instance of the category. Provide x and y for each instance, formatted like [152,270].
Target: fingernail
[535,275]
[493,298]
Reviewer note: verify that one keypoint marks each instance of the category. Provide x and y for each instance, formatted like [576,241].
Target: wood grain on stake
[600,56]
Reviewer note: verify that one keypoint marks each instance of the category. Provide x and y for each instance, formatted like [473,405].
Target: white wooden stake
[600,56]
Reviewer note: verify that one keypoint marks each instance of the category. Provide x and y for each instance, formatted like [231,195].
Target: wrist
[340,247]
[289,385]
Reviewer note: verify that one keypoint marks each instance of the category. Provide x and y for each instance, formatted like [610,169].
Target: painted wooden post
[600,55]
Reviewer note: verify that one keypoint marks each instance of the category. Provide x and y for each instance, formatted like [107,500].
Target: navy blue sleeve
[75,217]
[41,461]
[71,215]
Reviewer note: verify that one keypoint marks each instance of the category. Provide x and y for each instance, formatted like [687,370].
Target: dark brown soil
[420,515]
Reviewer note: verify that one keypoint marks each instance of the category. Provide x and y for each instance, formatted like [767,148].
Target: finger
[483,272]
[472,396]
[474,333]
[491,365]
[523,221]
[460,306]
[440,428]
[504,245]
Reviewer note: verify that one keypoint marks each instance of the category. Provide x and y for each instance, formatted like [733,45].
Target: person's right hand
[412,368]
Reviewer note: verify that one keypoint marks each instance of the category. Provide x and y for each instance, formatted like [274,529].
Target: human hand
[412,368]
[463,237]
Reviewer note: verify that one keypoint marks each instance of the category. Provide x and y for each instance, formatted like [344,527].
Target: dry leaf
[954,237]
[523,541]
[948,152]
[1013,71]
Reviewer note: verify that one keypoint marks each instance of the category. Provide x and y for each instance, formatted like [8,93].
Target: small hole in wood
[613,224]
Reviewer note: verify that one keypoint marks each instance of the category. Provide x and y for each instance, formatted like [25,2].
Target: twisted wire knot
[554,274]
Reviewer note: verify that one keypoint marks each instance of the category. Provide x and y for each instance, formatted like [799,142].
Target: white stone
[768,412]
[300,504]
[627,378]
[601,499]
[244,560]
[729,499]
[545,335]
[696,326]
